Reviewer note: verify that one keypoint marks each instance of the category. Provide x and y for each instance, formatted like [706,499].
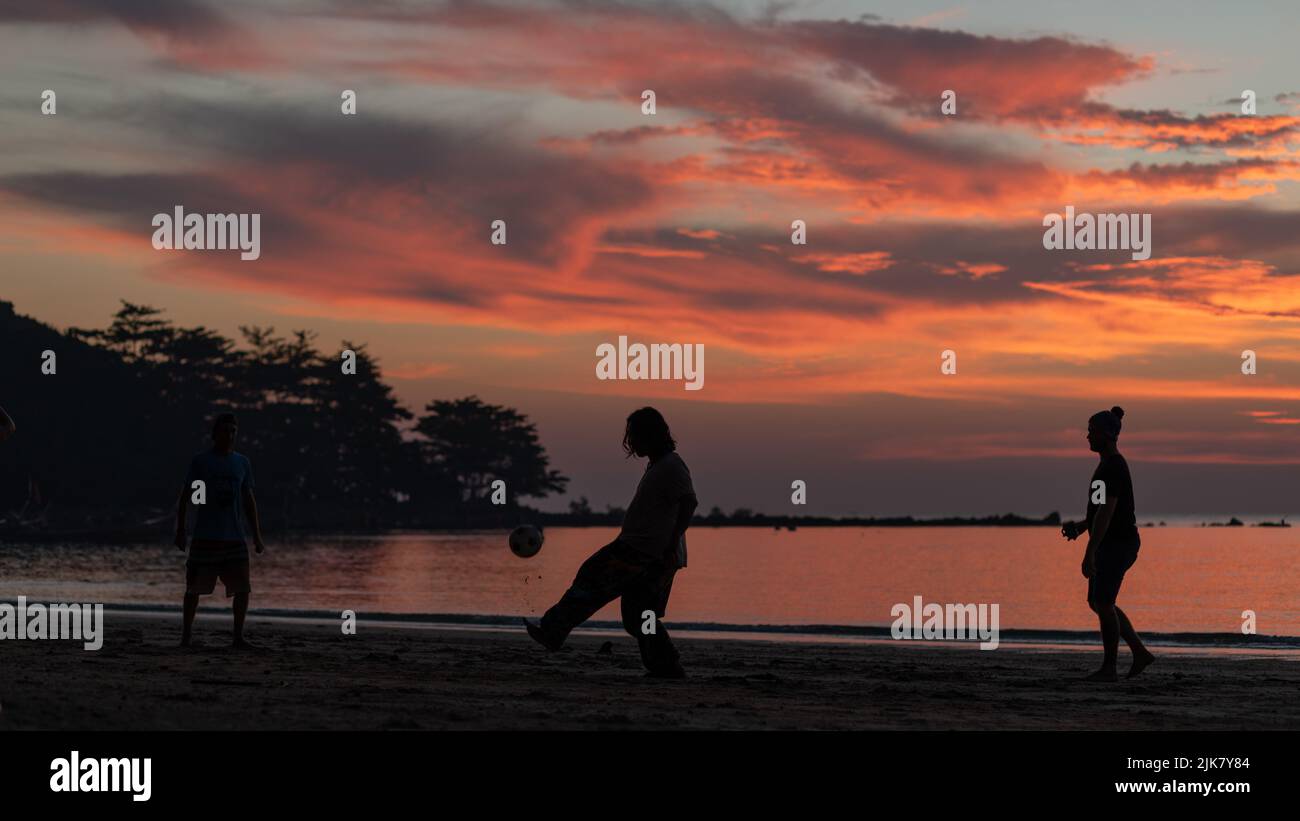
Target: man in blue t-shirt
[220,482]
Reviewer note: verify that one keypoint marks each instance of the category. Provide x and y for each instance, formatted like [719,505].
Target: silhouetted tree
[136,335]
[580,506]
[360,427]
[110,435]
[475,443]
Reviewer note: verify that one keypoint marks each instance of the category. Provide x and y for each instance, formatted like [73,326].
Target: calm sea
[814,580]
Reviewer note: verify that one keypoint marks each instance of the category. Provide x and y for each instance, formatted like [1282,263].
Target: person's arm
[1100,523]
[685,511]
[181,508]
[1072,530]
[182,504]
[7,426]
[250,508]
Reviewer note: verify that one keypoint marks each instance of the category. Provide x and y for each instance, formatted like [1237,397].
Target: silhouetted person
[218,549]
[1112,544]
[7,426]
[640,564]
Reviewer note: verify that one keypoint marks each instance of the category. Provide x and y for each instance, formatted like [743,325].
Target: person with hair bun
[1113,542]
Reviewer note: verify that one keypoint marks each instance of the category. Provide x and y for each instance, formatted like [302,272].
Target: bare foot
[240,643]
[1102,675]
[1141,661]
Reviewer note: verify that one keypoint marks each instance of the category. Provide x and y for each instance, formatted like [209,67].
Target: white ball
[525,541]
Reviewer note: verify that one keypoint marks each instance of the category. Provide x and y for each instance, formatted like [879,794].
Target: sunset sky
[822,360]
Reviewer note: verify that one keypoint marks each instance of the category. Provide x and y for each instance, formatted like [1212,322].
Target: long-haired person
[640,564]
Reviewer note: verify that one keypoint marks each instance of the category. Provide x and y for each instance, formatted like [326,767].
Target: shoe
[539,636]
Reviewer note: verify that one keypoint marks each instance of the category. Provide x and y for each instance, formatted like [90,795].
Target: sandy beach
[309,676]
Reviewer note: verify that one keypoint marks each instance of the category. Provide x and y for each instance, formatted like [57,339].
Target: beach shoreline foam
[1191,642]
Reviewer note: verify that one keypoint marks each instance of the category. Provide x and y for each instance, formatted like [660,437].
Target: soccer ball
[525,541]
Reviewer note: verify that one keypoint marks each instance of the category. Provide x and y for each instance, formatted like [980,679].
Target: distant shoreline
[510,518]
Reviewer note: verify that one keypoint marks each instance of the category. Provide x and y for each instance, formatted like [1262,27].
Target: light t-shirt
[648,524]
[225,476]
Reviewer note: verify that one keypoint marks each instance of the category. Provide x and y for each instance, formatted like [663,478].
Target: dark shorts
[1112,563]
[200,580]
[213,560]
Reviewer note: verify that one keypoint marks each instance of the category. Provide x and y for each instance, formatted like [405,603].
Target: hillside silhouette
[104,441]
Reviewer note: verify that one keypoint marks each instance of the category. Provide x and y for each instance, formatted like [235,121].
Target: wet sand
[310,676]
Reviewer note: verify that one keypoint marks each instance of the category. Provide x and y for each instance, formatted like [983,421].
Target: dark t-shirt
[226,477]
[1122,532]
[650,518]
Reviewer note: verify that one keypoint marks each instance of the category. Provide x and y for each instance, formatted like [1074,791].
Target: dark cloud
[995,75]
[128,202]
[178,18]
[470,175]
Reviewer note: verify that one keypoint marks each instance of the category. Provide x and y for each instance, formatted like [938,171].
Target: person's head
[224,428]
[647,434]
[1103,429]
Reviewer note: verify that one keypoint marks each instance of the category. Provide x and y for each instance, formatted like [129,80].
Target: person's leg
[1109,622]
[1142,657]
[1103,590]
[199,581]
[1127,632]
[599,581]
[240,606]
[646,595]
[235,576]
[189,607]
